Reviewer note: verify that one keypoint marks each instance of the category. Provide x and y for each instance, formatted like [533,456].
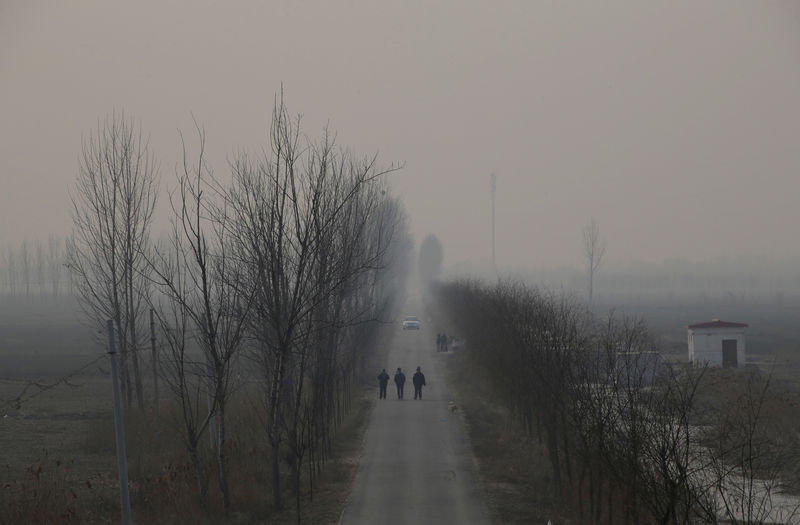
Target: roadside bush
[628,439]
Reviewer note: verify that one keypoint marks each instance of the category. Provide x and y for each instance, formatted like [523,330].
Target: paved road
[416,466]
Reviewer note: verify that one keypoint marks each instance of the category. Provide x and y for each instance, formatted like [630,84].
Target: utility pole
[493,186]
[119,424]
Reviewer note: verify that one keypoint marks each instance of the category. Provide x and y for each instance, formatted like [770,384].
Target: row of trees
[628,438]
[35,268]
[280,277]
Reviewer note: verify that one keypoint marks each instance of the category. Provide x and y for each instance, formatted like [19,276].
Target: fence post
[120,430]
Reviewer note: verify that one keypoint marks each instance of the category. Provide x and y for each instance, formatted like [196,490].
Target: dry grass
[59,463]
[333,487]
[513,468]
[514,471]
[48,476]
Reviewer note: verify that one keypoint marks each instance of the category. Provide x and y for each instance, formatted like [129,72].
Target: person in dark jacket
[383,380]
[419,382]
[400,381]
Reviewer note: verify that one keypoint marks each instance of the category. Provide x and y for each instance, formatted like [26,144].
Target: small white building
[718,343]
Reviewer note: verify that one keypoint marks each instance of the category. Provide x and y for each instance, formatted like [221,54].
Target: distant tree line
[275,284]
[35,268]
[429,260]
[746,278]
[628,439]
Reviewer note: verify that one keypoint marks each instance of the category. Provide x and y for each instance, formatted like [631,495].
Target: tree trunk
[123,361]
[155,360]
[297,465]
[555,463]
[221,459]
[137,377]
[202,482]
[275,430]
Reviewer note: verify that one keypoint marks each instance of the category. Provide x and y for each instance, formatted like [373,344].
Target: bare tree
[429,264]
[351,254]
[751,445]
[112,209]
[287,210]
[11,270]
[55,260]
[25,261]
[629,439]
[593,249]
[183,366]
[201,285]
[39,266]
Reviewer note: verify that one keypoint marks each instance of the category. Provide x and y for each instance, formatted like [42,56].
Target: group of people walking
[400,380]
[441,342]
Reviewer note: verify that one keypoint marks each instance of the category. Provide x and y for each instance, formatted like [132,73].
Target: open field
[43,337]
[773,335]
[59,459]
[59,463]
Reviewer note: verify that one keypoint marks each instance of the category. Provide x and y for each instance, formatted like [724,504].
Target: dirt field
[59,460]
[773,334]
[59,464]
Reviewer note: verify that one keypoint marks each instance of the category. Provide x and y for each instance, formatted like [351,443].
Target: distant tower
[493,185]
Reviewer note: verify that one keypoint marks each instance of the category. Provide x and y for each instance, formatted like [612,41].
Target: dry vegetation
[256,315]
[687,446]
[59,462]
[513,470]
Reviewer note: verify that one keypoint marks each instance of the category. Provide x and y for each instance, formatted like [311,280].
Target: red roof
[716,323]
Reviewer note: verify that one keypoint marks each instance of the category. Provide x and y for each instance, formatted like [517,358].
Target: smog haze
[674,124]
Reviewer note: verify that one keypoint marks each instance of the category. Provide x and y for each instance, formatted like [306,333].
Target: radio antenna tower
[493,186]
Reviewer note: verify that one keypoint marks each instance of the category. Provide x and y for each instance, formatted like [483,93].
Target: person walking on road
[419,382]
[438,342]
[383,380]
[400,381]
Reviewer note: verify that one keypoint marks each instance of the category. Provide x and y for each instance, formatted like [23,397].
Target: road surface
[416,466]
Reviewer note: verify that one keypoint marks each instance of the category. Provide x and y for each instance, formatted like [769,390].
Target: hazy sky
[676,125]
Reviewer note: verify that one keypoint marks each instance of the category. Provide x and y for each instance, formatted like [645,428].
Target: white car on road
[410,323]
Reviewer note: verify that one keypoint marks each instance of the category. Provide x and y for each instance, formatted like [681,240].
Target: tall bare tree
[200,281]
[39,266]
[112,210]
[429,264]
[55,260]
[593,250]
[298,218]
[25,261]
[11,270]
